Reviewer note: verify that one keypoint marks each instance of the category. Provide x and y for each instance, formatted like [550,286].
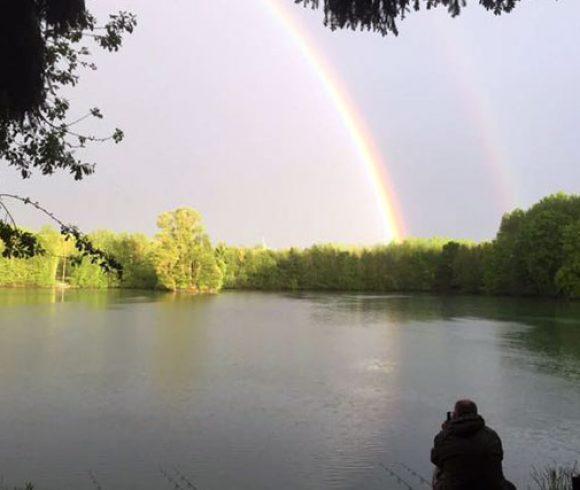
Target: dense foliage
[536,253]
[180,257]
[382,15]
[183,255]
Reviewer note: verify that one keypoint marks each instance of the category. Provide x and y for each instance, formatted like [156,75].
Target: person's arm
[495,448]
[436,451]
[495,458]
[497,452]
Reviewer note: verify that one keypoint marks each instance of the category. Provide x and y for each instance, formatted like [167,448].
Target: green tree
[542,238]
[88,273]
[184,257]
[468,267]
[60,250]
[568,276]
[445,276]
[528,252]
[229,259]
[135,253]
[38,271]
[505,271]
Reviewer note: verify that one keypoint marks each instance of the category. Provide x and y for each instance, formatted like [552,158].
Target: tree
[184,257]
[38,271]
[445,275]
[43,48]
[135,253]
[468,267]
[36,131]
[505,271]
[382,15]
[543,237]
[568,277]
[542,249]
[529,252]
[59,250]
[36,35]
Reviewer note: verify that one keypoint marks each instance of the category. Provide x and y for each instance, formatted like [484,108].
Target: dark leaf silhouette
[383,15]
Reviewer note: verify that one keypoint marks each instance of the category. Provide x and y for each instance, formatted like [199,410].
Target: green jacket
[468,455]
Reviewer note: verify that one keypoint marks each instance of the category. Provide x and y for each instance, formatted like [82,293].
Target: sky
[472,117]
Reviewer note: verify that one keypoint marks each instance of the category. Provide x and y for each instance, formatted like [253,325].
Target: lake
[132,390]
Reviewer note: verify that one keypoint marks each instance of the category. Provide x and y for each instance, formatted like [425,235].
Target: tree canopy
[184,257]
[383,15]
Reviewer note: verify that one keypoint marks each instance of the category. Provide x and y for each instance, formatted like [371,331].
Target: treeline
[180,256]
[535,253]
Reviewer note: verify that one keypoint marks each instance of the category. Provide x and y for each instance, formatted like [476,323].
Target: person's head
[464,408]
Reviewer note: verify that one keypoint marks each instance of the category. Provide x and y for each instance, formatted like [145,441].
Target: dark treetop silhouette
[42,50]
[382,15]
[24,26]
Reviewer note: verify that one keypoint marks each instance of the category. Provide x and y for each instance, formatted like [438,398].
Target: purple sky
[223,114]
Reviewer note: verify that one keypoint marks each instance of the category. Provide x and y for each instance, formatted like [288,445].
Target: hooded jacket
[469,455]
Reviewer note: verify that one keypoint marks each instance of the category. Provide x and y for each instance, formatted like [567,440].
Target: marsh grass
[553,477]
[547,478]
[27,486]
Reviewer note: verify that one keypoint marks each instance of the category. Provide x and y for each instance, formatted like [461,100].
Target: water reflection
[548,329]
[179,343]
[253,390]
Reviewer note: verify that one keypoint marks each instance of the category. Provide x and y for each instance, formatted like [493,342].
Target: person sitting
[468,454]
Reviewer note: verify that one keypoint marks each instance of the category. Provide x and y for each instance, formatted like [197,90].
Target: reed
[553,477]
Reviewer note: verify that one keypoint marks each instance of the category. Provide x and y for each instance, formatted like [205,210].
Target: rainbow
[382,185]
[482,114]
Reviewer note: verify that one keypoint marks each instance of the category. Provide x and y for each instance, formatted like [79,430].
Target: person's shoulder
[488,430]
[490,434]
[440,436]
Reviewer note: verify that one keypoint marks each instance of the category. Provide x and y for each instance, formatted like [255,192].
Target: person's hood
[466,425]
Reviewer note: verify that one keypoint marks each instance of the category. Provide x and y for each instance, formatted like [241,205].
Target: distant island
[536,253]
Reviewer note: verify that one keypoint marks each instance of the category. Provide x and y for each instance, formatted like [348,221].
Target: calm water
[274,391]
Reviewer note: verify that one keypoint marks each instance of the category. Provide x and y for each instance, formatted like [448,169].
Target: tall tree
[135,253]
[184,257]
[568,277]
[444,276]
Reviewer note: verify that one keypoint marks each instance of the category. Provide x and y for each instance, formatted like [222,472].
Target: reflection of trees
[23,297]
[92,299]
[555,340]
[397,308]
[553,333]
[179,346]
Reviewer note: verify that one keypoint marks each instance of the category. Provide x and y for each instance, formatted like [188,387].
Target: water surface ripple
[274,391]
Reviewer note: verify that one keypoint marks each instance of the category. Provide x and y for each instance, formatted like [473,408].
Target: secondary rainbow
[482,115]
[382,185]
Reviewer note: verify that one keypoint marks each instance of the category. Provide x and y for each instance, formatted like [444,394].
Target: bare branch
[8,214]
[34,204]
